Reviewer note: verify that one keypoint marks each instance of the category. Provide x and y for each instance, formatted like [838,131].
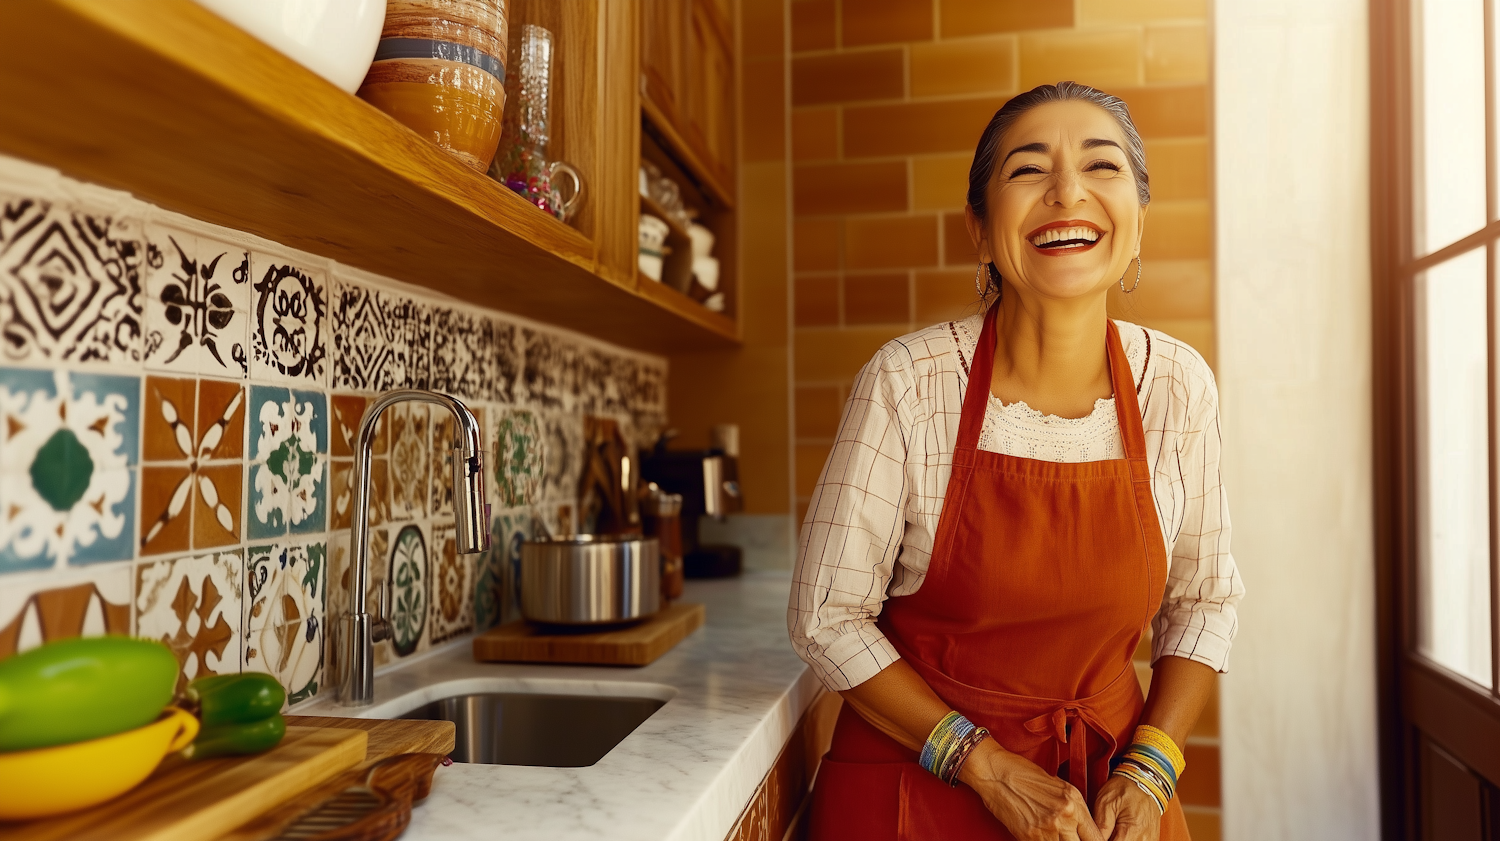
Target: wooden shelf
[168,101]
[675,229]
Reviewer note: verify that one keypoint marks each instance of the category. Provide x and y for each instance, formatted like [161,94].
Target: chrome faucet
[357,633]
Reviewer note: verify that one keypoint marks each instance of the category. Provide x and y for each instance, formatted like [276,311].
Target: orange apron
[1042,580]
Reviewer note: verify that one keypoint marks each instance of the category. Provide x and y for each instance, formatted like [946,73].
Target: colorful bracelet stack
[1153,762]
[949,746]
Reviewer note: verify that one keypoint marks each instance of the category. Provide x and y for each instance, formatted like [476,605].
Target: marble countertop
[734,690]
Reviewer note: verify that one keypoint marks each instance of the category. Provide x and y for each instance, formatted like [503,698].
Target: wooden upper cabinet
[709,107]
[661,54]
[687,77]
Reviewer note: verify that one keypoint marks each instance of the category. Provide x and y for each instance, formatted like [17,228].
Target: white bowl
[335,39]
[706,270]
[650,265]
[703,240]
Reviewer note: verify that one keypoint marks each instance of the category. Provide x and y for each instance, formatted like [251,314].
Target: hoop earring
[1137,277]
[981,281]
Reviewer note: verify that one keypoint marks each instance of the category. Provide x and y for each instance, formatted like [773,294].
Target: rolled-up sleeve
[853,530]
[1197,619]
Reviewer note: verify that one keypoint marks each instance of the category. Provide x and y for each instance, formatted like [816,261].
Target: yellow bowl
[50,781]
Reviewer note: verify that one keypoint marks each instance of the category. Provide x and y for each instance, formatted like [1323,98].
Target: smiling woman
[979,564]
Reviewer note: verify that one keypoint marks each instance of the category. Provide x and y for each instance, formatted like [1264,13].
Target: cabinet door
[661,54]
[710,88]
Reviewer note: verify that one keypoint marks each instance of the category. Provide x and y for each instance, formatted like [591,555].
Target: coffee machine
[708,481]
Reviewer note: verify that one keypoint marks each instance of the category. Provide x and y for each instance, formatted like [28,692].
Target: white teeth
[1056,234]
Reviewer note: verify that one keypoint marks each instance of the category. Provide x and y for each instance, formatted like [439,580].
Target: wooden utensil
[200,801]
[637,645]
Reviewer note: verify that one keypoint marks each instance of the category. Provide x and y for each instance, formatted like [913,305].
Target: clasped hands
[1037,806]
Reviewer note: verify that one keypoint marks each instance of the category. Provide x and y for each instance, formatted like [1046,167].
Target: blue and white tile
[69,445]
[285,634]
[289,477]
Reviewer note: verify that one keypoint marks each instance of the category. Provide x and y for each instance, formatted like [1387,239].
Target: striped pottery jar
[440,70]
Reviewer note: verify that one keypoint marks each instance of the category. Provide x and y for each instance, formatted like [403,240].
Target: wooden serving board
[387,739]
[637,645]
[200,801]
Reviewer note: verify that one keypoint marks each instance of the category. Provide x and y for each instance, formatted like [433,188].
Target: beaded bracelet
[948,746]
[1153,762]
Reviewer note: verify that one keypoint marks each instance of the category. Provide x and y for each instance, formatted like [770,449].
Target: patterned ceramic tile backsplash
[179,405]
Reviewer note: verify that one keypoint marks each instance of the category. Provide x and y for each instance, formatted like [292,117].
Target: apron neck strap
[977,394]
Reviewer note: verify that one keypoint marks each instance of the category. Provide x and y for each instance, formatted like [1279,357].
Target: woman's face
[1064,216]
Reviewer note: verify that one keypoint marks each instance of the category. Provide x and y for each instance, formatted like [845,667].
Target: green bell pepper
[237,739]
[235,699]
[80,689]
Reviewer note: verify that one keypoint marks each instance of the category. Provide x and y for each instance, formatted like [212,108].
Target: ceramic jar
[440,70]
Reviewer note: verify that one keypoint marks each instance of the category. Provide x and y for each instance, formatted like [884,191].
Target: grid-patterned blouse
[873,517]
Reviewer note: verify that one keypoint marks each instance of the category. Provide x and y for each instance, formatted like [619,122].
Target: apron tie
[1069,727]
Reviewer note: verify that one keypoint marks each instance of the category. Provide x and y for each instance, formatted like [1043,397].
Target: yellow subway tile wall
[887,101]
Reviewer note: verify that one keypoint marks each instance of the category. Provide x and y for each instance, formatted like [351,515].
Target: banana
[80,689]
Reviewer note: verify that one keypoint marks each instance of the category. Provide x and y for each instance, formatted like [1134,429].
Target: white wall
[1292,170]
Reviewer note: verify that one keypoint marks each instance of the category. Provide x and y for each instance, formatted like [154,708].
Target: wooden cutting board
[637,645]
[200,801]
[387,739]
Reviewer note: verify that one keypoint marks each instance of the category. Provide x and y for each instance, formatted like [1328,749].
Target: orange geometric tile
[886,21]
[916,128]
[1179,168]
[1104,12]
[168,429]
[820,189]
[847,77]
[1178,230]
[817,301]
[877,299]
[941,182]
[945,296]
[1199,785]
[1177,53]
[221,420]
[891,242]
[818,410]
[218,500]
[348,411]
[958,246]
[815,134]
[165,517]
[1168,110]
[979,17]
[1108,59]
[340,494]
[815,245]
[970,65]
[812,24]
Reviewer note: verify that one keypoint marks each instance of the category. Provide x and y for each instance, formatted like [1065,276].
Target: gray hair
[983,168]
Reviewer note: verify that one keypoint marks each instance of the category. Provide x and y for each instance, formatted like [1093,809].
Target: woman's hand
[1125,813]
[1033,805]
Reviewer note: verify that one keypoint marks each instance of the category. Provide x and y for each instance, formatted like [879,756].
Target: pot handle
[564,207]
[187,730]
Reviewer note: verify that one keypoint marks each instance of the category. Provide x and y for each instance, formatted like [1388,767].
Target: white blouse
[870,527]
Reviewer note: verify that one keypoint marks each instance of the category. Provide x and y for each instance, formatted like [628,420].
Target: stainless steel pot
[590,580]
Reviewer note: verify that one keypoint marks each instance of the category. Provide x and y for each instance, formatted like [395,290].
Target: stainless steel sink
[558,731]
